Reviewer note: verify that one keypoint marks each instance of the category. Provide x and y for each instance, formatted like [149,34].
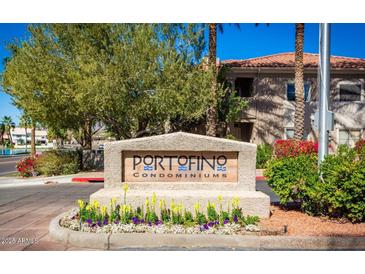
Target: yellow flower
[81,203]
[87,207]
[153,200]
[95,204]
[162,203]
[103,210]
[125,187]
[197,206]
[220,198]
[172,205]
[235,202]
[124,208]
[147,203]
[113,201]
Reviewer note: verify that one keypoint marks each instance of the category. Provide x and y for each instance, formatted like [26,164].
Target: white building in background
[19,134]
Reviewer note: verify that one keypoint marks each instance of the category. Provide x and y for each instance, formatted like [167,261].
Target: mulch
[301,224]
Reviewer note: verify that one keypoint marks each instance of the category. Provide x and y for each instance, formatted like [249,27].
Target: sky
[247,41]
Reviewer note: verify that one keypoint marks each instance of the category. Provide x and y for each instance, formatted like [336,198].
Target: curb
[87,180]
[120,241]
[15,182]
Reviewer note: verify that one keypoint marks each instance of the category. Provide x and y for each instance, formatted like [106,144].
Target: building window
[289,133]
[349,136]
[350,92]
[243,131]
[244,86]
[290,92]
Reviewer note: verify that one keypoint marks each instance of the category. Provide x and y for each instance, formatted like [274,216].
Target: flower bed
[26,166]
[175,219]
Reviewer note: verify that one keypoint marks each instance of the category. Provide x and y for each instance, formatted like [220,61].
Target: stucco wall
[271,112]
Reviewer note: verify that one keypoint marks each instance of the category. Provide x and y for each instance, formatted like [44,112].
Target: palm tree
[8,126]
[25,122]
[2,132]
[212,59]
[211,126]
[299,82]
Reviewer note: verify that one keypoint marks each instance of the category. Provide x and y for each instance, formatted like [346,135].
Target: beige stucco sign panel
[179,166]
[201,168]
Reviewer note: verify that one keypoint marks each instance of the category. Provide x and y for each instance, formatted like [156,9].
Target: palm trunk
[32,141]
[212,110]
[299,82]
[26,139]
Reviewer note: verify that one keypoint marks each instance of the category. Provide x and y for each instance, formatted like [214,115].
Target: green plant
[289,176]
[211,212]
[57,162]
[341,190]
[263,155]
[231,137]
[188,218]
[250,220]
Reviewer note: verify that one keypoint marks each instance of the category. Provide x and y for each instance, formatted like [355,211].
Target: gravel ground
[302,224]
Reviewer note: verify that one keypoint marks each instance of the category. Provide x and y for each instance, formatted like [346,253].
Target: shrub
[58,162]
[26,166]
[288,176]
[360,145]
[338,193]
[341,191]
[292,148]
[264,154]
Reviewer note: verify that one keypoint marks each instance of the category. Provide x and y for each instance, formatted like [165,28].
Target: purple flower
[135,220]
[142,221]
[235,219]
[158,222]
[89,221]
[105,222]
[205,226]
[99,223]
[149,223]
[226,221]
[116,222]
[211,224]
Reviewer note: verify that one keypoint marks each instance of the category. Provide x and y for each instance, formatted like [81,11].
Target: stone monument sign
[185,167]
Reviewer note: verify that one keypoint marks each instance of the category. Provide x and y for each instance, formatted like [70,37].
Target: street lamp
[325,119]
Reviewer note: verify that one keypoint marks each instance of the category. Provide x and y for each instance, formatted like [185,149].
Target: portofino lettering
[184,162]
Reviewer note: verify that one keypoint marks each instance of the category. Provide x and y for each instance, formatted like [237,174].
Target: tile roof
[286,60]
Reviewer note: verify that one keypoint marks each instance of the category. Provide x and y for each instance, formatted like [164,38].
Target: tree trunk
[32,141]
[26,139]
[299,82]
[167,125]
[211,128]
[88,135]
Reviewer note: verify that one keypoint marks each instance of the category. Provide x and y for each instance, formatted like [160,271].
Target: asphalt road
[7,164]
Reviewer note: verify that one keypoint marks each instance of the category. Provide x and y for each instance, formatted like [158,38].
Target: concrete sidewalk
[6,182]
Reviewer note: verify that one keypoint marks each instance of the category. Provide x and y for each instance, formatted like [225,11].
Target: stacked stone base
[251,202]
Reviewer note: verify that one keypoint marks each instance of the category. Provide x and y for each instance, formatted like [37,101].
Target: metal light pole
[324,77]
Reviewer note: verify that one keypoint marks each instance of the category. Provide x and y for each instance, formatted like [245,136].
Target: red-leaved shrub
[292,148]
[360,144]
[26,166]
